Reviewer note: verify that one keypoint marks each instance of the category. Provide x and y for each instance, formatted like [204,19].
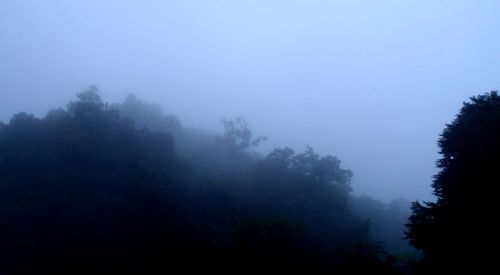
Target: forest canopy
[124,187]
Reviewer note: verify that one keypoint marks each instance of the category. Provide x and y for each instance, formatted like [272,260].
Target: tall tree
[237,136]
[459,230]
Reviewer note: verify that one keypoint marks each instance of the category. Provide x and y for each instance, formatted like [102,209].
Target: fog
[371,82]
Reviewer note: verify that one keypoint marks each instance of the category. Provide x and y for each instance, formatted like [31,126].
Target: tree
[459,229]
[313,191]
[147,115]
[237,136]
[309,166]
[88,103]
[387,221]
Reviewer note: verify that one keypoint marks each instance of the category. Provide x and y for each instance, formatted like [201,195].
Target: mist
[373,83]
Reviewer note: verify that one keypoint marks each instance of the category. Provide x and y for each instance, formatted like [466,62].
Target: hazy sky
[373,82]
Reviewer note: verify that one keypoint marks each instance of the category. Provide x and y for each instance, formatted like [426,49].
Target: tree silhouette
[459,230]
[237,136]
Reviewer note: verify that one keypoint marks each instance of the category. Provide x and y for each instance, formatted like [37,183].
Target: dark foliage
[237,136]
[151,116]
[460,230]
[82,188]
[87,190]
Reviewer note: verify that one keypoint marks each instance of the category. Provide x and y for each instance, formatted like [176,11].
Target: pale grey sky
[373,82]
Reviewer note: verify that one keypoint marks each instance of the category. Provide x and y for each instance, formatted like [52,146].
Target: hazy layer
[373,83]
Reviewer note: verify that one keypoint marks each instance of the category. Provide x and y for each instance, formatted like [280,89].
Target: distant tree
[313,190]
[460,229]
[90,96]
[280,158]
[189,142]
[88,103]
[237,136]
[323,169]
[387,221]
[148,115]
[311,167]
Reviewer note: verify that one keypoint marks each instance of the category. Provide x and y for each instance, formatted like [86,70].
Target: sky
[371,82]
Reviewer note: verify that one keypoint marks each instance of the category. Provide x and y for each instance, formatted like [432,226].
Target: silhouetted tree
[313,190]
[188,141]
[237,136]
[148,115]
[460,230]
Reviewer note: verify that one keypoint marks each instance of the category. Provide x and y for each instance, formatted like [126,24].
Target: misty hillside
[249,137]
[98,186]
[123,186]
